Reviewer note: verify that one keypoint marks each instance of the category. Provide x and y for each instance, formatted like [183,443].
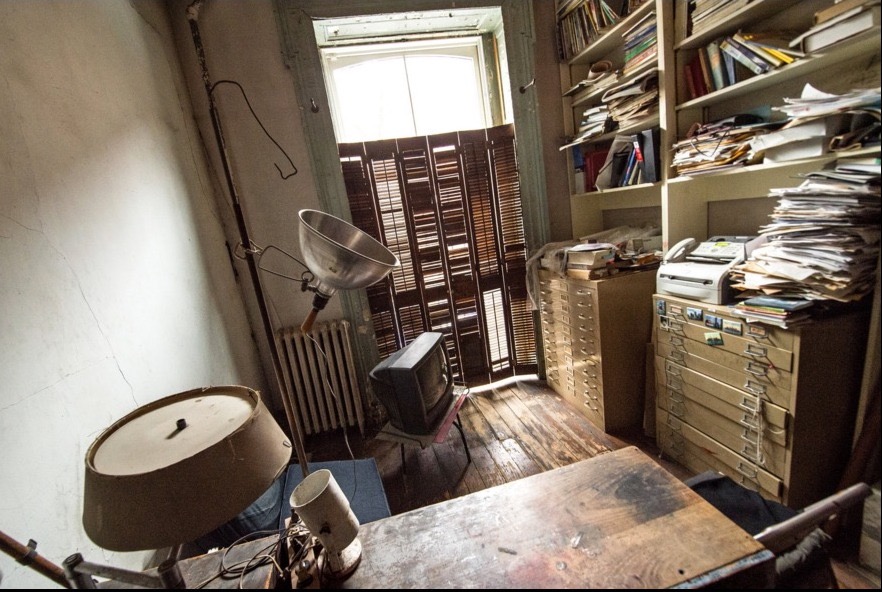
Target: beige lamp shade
[175,469]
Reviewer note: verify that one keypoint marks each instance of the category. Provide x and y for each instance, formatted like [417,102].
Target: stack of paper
[815,103]
[823,241]
[634,99]
[714,148]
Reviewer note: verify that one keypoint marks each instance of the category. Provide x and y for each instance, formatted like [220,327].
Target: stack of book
[729,60]
[580,22]
[839,22]
[806,137]
[595,121]
[633,100]
[782,312]
[706,14]
[641,44]
[823,241]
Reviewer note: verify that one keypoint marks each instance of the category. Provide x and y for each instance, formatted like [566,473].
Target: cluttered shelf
[843,53]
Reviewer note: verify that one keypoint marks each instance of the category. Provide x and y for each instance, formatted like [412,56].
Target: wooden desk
[618,520]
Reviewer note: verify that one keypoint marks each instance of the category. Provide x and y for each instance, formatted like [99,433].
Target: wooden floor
[513,431]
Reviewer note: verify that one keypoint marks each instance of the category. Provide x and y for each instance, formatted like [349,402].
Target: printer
[700,271]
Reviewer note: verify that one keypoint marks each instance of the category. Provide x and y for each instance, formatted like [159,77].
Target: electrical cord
[257,119]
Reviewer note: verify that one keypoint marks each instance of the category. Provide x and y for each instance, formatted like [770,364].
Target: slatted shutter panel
[443,205]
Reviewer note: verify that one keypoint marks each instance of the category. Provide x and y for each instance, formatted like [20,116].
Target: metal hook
[313,107]
[524,88]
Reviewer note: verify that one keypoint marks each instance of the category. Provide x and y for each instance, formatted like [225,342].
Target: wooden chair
[797,538]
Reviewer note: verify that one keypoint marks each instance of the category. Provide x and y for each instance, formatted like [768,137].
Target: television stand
[438,435]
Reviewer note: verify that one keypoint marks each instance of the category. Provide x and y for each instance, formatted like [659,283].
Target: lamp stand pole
[192,18]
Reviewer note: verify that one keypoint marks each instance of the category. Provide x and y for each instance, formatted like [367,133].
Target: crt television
[415,384]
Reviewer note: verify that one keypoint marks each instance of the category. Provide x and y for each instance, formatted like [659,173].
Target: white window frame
[341,56]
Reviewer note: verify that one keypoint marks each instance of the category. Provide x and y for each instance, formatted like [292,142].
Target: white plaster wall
[115,285]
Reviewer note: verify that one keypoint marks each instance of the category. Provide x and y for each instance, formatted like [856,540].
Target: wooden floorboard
[513,431]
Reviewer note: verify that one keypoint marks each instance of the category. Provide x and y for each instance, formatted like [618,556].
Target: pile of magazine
[823,241]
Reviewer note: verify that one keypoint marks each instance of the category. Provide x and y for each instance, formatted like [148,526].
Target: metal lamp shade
[175,469]
[341,256]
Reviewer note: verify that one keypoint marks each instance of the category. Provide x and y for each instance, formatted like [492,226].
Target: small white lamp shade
[324,509]
[173,470]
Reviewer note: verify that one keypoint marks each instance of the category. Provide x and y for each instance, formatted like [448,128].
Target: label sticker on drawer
[733,327]
[713,338]
[694,314]
[757,331]
[713,322]
[676,311]
[660,307]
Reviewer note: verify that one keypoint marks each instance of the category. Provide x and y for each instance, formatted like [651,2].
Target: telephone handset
[679,251]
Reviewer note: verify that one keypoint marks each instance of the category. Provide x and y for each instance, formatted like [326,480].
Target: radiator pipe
[193,18]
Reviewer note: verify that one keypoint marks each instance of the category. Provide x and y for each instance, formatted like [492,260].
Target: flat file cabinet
[594,334]
[773,409]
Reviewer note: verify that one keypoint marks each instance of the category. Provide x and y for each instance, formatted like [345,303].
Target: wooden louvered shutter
[448,206]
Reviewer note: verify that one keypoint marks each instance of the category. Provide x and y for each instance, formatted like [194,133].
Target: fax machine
[700,271]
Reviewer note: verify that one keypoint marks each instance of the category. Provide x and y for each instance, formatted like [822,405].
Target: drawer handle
[676,445]
[749,472]
[749,422]
[757,389]
[675,395]
[756,351]
[676,341]
[750,451]
[749,403]
[678,356]
[675,424]
[672,370]
[677,408]
[675,383]
[591,407]
[757,369]
[675,325]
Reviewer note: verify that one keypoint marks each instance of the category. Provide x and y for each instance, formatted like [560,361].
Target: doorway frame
[301,55]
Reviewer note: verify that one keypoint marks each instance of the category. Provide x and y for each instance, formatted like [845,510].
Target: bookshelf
[684,206]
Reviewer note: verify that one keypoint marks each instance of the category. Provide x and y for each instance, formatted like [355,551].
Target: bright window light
[406,89]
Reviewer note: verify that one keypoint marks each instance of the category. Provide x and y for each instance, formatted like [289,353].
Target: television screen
[415,385]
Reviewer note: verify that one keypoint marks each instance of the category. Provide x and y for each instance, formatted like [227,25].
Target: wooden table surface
[617,520]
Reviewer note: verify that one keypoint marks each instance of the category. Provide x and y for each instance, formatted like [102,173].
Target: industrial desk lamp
[340,256]
[173,470]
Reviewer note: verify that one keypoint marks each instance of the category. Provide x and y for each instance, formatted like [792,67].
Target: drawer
[733,377]
[748,348]
[696,313]
[592,410]
[699,452]
[743,371]
[729,432]
[737,405]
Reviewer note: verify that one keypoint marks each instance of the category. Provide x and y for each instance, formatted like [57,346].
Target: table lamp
[340,256]
[326,513]
[172,471]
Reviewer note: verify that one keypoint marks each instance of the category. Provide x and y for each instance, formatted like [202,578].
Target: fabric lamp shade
[176,468]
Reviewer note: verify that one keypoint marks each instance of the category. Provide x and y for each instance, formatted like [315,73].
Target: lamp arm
[79,573]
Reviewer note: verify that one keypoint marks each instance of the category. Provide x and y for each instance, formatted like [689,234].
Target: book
[704,62]
[716,64]
[751,54]
[729,68]
[649,140]
[729,47]
[593,163]
[786,304]
[697,76]
[760,51]
[839,28]
[836,9]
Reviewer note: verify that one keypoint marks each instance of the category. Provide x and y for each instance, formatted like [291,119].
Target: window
[415,88]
